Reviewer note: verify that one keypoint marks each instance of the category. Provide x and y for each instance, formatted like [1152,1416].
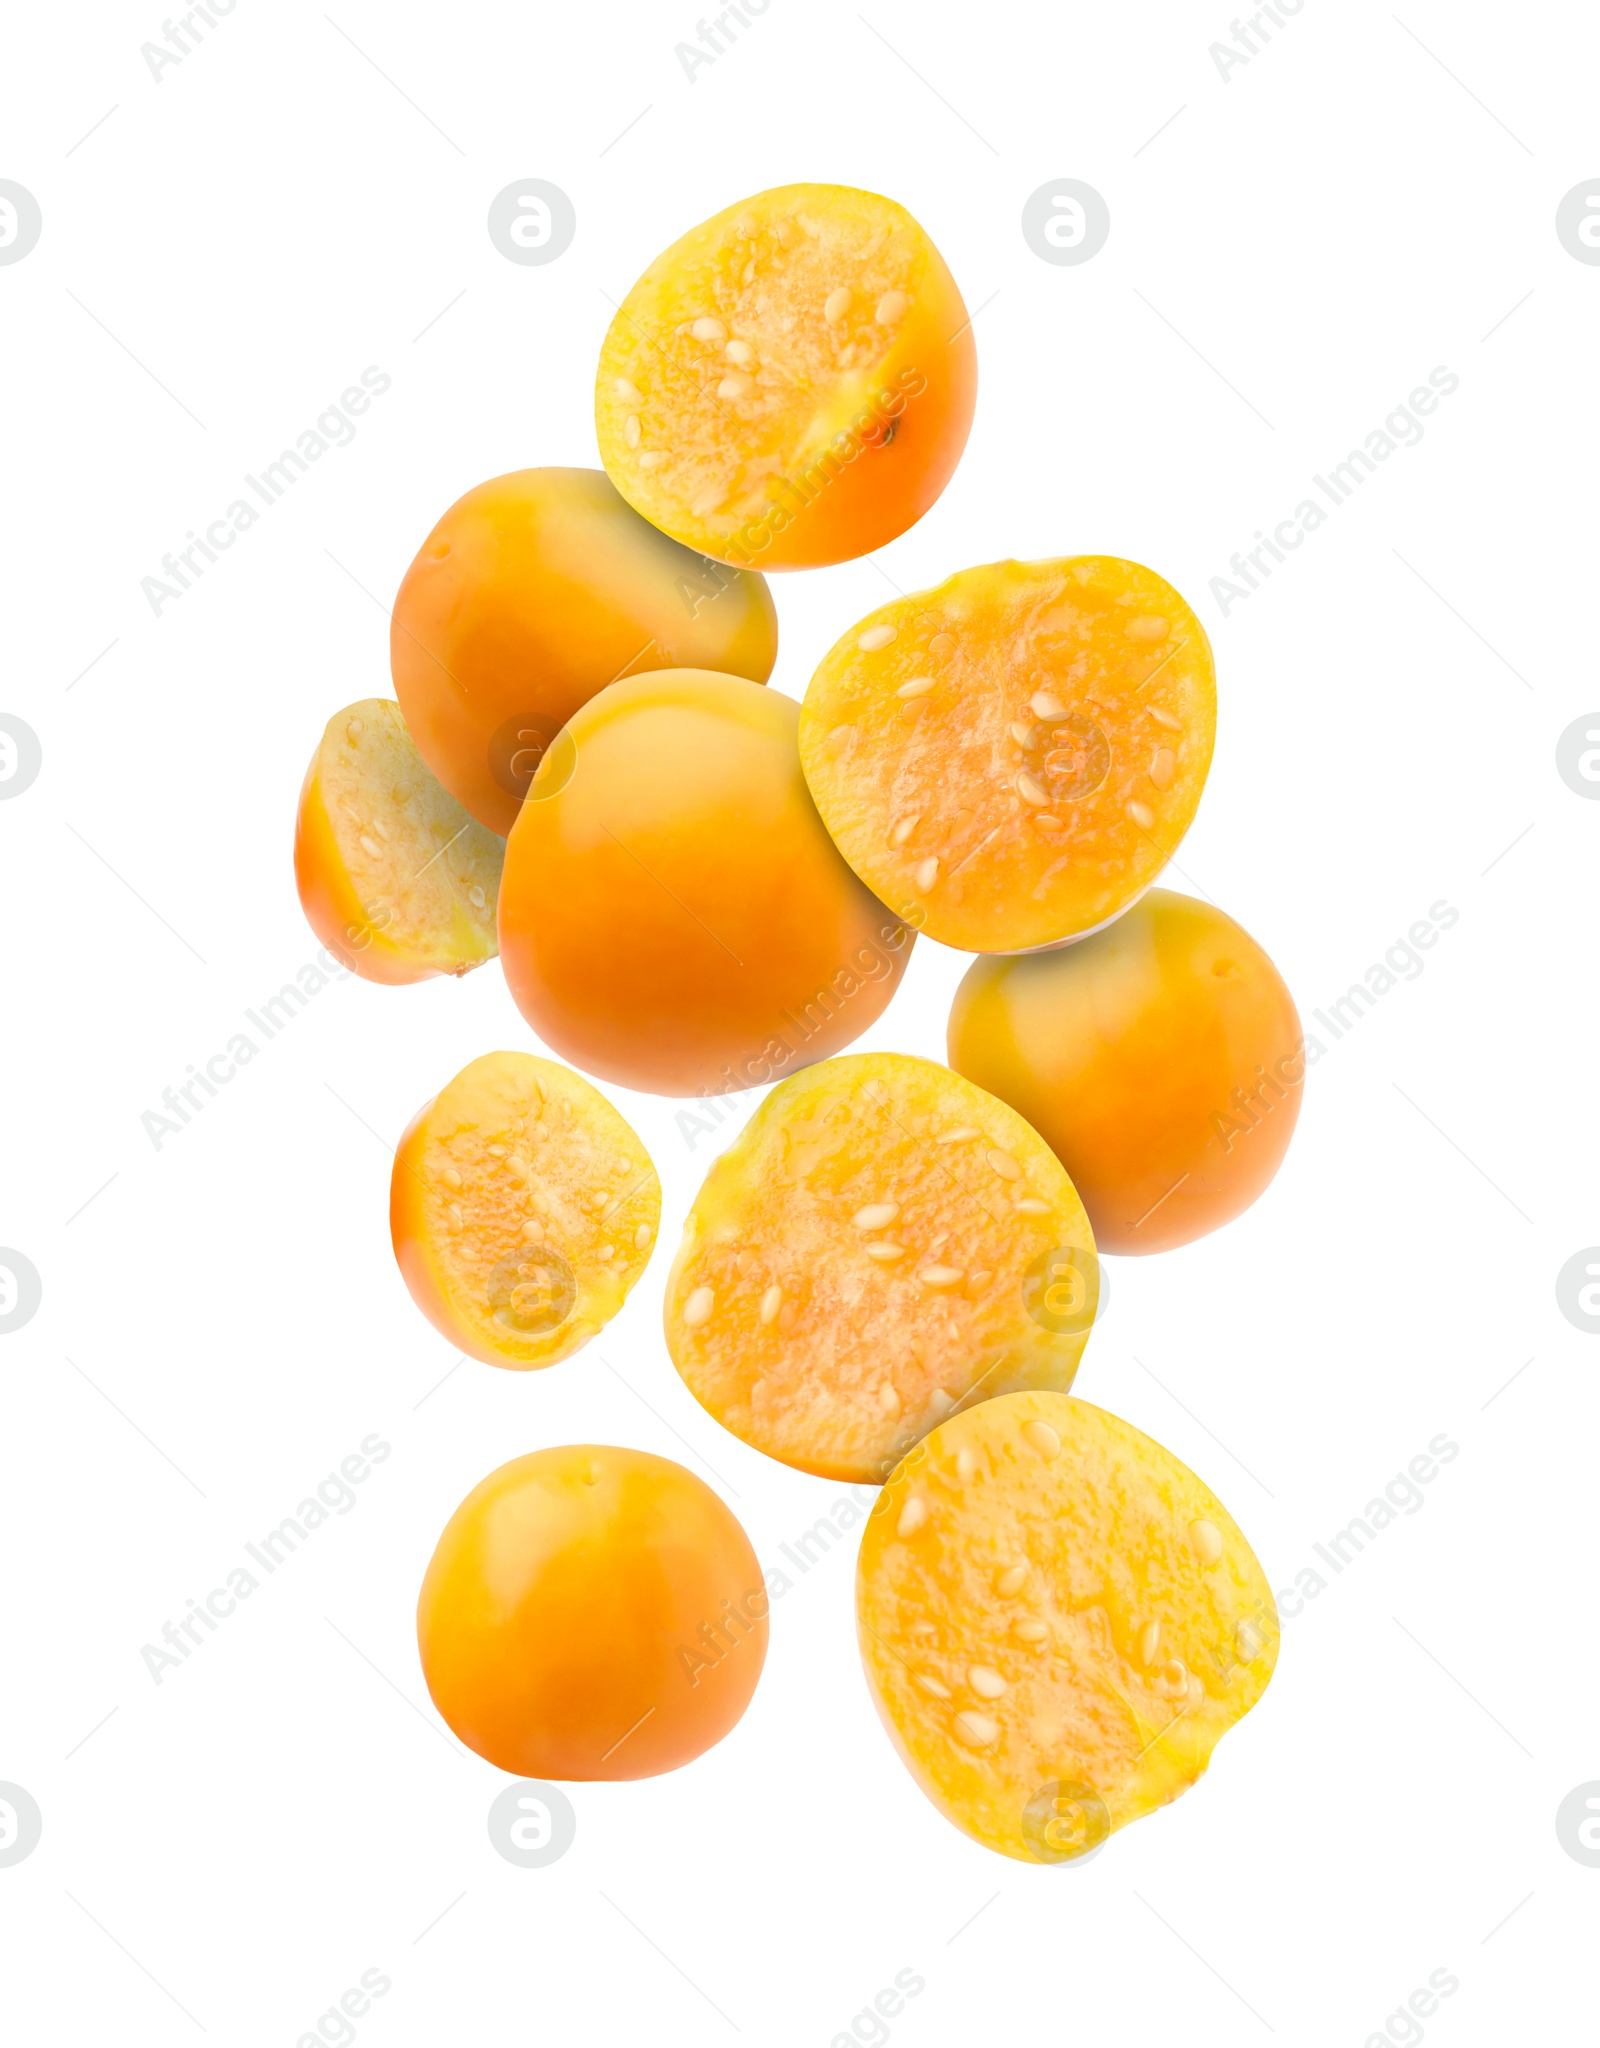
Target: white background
[222,1323]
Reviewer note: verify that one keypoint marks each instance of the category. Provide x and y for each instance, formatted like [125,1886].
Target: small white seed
[875,637]
[641,1236]
[960,1134]
[1149,628]
[966,1464]
[1022,734]
[452,1216]
[927,873]
[1149,1643]
[941,1276]
[1142,816]
[630,430]
[1032,790]
[891,308]
[876,1216]
[771,1302]
[1030,1631]
[977,1731]
[652,458]
[628,392]
[1004,1165]
[1043,1438]
[1047,707]
[740,352]
[902,831]
[450,1177]
[353,729]
[919,686]
[912,1516]
[736,385]
[1166,718]
[933,1685]
[697,1309]
[1030,1205]
[1207,1540]
[1163,767]
[885,1251]
[985,1681]
[370,847]
[836,305]
[708,328]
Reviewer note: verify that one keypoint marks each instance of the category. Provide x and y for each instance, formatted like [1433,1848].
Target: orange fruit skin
[673,917]
[378,947]
[1011,758]
[1161,1060]
[826,460]
[592,1612]
[535,590]
[1048,1600]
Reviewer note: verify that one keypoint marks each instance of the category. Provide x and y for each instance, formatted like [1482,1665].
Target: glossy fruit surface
[395,878]
[881,1242]
[1010,759]
[592,1612]
[792,382]
[1059,1622]
[673,917]
[522,1209]
[1162,1061]
[535,590]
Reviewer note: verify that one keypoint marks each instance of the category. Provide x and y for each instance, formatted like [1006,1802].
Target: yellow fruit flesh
[752,345]
[1059,1622]
[523,1209]
[871,1251]
[386,854]
[1010,759]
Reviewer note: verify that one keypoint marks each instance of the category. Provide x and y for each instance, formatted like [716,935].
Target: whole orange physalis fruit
[592,1612]
[535,590]
[1162,1061]
[673,916]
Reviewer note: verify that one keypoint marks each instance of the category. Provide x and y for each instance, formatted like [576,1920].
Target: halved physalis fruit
[535,590]
[882,1243]
[592,1612]
[522,1208]
[1162,1061]
[396,879]
[674,917]
[1059,1622]
[792,382]
[1010,759]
